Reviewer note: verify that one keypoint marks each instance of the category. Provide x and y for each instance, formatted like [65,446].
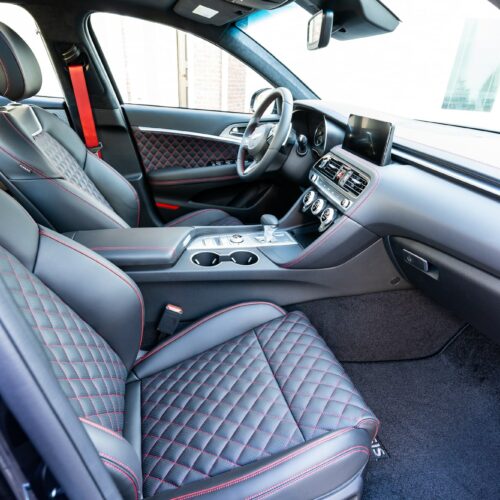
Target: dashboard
[440,226]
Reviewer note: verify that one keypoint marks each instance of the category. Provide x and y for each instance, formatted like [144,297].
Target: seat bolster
[117,190]
[18,231]
[323,466]
[119,457]
[209,332]
[100,293]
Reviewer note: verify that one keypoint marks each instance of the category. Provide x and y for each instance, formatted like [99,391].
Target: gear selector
[270,224]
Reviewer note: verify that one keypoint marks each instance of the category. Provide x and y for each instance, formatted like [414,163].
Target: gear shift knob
[270,223]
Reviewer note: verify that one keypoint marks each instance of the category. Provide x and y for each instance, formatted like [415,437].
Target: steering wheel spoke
[262,142]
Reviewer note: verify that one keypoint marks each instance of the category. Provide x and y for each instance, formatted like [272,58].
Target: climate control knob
[326,218]
[318,206]
[308,199]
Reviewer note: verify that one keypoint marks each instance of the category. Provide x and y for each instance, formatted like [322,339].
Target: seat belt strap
[80,90]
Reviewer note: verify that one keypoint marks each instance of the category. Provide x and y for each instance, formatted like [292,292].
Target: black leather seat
[49,169]
[246,403]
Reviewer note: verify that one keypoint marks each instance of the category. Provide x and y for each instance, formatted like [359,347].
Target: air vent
[331,169]
[355,183]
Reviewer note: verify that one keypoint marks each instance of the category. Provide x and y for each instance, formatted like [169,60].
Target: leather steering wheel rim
[255,139]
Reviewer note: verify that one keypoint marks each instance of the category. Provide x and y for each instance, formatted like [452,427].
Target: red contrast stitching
[204,320]
[193,181]
[132,287]
[121,464]
[314,246]
[107,463]
[311,470]
[186,217]
[50,179]
[101,428]
[377,424]
[102,249]
[124,180]
[265,468]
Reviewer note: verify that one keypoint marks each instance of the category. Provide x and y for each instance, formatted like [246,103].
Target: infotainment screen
[371,139]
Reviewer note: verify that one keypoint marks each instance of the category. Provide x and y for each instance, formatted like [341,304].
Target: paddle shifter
[270,224]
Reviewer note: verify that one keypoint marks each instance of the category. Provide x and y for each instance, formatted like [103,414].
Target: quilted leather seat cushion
[268,390]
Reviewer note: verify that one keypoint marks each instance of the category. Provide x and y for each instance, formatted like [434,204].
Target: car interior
[215,283]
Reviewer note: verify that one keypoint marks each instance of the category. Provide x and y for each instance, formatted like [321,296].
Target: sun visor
[220,12]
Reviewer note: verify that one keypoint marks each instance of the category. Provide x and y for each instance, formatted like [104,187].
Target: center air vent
[355,183]
[331,169]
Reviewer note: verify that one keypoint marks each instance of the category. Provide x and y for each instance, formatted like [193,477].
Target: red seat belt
[77,76]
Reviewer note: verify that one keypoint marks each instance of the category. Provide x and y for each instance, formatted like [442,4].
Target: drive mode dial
[318,206]
[308,199]
[327,217]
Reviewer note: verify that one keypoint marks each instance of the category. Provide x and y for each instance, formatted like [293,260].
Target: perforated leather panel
[67,166]
[160,150]
[89,371]
[264,392]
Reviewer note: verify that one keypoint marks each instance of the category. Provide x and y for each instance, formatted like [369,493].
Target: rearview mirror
[319,30]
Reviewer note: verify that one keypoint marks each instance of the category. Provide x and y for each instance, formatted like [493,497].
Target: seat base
[252,401]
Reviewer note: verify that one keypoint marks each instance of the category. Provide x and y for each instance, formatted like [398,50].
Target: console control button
[327,218]
[345,203]
[236,238]
[308,199]
[318,206]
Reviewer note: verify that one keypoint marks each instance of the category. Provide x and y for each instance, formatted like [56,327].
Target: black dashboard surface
[449,214]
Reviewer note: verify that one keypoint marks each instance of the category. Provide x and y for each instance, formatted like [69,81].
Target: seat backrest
[45,163]
[84,319]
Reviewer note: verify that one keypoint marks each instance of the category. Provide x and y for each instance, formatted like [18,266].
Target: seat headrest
[20,75]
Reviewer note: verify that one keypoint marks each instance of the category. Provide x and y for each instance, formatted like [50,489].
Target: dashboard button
[318,206]
[236,238]
[345,203]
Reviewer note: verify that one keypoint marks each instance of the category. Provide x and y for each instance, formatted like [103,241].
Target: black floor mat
[440,422]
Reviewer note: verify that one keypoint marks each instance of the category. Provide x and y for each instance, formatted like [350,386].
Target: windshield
[441,64]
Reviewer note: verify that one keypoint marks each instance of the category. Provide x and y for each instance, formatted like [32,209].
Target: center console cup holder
[244,258]
[206,259]
[210,259]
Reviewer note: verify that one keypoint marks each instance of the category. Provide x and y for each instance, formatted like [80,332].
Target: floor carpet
[440,422]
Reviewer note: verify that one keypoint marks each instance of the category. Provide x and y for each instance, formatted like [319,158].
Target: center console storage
[137,248]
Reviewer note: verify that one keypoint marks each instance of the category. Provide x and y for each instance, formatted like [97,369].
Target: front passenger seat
[48,167]
[249,402]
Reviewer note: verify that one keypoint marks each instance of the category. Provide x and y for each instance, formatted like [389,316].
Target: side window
[154,64]
[22,22]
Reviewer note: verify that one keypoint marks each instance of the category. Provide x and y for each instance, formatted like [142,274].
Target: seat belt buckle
[169,320]
[96,149]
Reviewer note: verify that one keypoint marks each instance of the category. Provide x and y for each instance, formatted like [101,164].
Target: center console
[338,185]
[317,250]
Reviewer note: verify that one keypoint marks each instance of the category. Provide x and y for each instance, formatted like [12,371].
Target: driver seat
[47,167]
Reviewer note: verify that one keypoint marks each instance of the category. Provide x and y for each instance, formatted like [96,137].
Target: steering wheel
[263,142]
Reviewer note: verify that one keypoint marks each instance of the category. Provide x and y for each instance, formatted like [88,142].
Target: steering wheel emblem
[262,142]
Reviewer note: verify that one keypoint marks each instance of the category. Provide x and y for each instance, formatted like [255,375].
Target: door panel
[165,149]
[189,157]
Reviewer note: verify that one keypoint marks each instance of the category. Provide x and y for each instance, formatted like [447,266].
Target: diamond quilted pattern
[212,413]
[67,166]
[89,371]
[161,150]
[320,395]
[264,392]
